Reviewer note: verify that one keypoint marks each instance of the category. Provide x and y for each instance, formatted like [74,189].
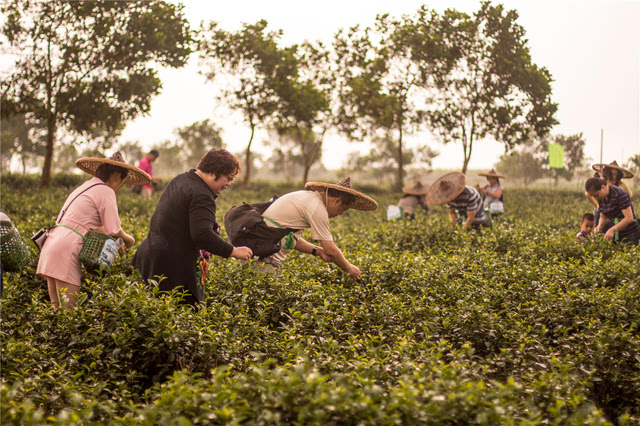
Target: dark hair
[154,152]
[594,184]
[219,162]
[105,170]
[588,217]
[612,175]
[346,197]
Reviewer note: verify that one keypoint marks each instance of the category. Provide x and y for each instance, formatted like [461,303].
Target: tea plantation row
[513,325]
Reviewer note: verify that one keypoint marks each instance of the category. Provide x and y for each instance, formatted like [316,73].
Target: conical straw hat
[626,174]
[447,188]
[416,189]
[135,176]
[492,173]
[363,202]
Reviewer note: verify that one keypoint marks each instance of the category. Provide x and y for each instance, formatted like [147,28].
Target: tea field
[513,325]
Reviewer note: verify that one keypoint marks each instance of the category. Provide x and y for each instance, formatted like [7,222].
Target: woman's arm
[603,221]
[128,239]
[628,218]
[496,194]
[592,200]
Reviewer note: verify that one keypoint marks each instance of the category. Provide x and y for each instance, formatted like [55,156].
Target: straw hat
[416,189]
[492,173]
[447,188]
[363,202]
[626,174]
[134,177]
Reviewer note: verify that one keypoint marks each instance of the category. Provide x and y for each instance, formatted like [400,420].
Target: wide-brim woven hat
[447,188]
[493,173]
[135,176]
[363,202]
[416,188]
[626,173]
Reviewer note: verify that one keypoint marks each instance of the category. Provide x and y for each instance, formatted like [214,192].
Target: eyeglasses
[230,178]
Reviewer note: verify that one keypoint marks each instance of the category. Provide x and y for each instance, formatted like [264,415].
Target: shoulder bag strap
[64,210]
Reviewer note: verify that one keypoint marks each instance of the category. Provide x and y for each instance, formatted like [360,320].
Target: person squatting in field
[90,207]
[617,218]
[272,230]
[414,196]
[613,174]
[464,202]
[184,231]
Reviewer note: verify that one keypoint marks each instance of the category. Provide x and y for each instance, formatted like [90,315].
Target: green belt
[289,239]
[68,227]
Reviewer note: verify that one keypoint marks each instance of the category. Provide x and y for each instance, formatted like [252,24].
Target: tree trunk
[467,154]
[400,175]
[247,156]
[48,156]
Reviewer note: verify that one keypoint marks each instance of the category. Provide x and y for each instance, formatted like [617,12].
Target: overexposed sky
[591,48]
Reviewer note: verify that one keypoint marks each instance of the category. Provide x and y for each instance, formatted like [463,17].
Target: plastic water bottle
[109,251]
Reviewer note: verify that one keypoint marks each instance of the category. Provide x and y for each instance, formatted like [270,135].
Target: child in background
[587,223]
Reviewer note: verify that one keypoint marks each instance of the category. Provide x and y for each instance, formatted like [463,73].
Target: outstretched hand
[242,253]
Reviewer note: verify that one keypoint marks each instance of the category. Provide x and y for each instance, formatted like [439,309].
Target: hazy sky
[591,48]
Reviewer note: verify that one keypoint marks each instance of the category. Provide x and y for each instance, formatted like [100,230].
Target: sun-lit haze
[591,48]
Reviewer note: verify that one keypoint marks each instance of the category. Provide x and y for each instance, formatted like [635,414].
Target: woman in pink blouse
[90,207]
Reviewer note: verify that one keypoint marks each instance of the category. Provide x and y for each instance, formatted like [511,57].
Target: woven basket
[15,254]
[91,249]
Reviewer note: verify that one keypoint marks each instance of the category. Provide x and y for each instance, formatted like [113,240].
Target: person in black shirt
[184,229]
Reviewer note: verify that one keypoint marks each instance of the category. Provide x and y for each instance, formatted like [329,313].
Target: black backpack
[245,227]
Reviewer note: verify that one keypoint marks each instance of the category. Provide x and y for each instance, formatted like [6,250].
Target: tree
[66,156]
[573,155]
[377,82]
[171,161]
[634,165]
[197,139]
[304,111]
[250,61]
[132,152]
[493,88]
[523,165]
[89,65]
[381,160]
[23,135]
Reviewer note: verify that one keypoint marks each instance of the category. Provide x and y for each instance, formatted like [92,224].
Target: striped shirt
[612,207]
[469,200]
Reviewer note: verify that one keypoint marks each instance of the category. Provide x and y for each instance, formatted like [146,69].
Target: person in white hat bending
[414,196]
[278,231]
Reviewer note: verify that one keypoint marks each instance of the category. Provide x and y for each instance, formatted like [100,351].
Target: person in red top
[145,165]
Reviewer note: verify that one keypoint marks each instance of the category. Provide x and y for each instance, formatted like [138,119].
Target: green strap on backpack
[289,239]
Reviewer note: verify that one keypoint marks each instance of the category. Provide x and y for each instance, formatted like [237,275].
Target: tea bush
[510,325]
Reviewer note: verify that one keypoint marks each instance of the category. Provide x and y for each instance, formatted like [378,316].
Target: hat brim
[437,196]
[626,173]
[409,189]
[495,175]
[363,202]
[135,176]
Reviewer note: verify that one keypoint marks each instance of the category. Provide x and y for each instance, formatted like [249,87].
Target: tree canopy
[88,66]
[494,89]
